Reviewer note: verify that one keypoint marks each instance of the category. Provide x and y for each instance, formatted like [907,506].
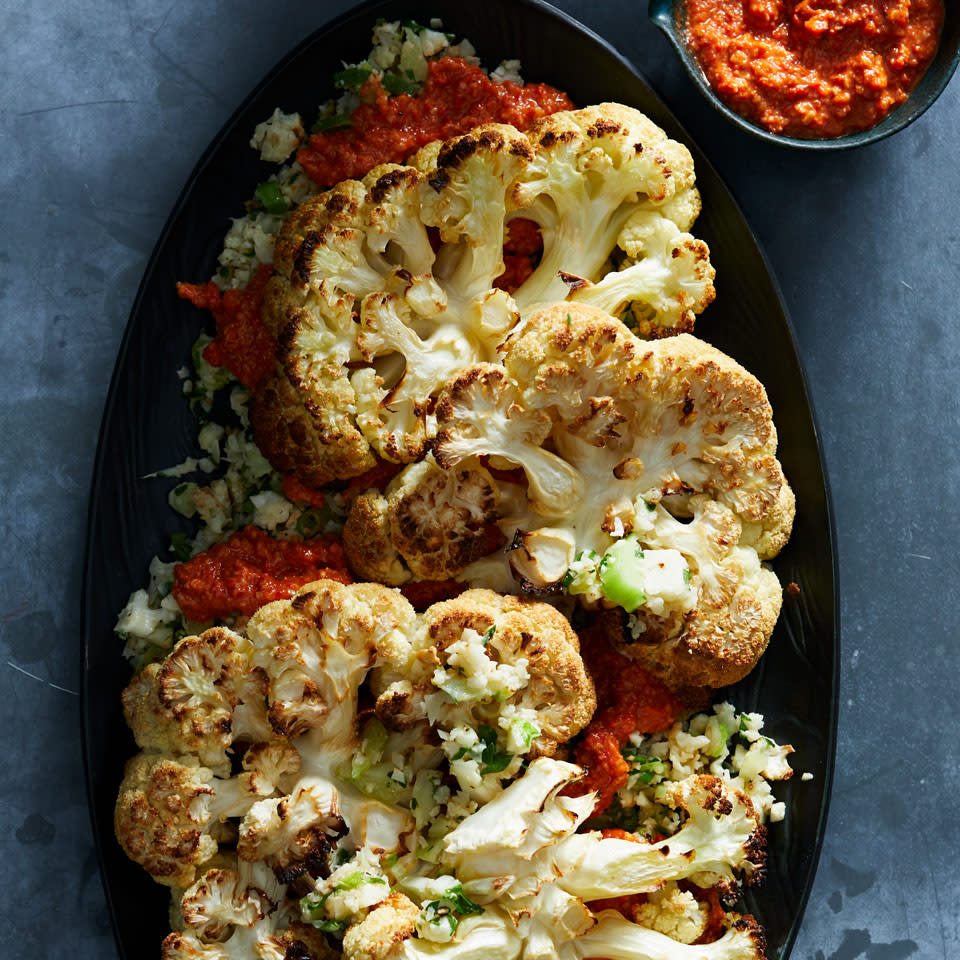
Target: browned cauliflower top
[373,313]
[428,524]
[651,483]
[471,649]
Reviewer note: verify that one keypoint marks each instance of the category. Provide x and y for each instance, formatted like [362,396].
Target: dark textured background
[104,109]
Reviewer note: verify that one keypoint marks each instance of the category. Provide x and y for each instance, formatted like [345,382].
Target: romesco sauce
[243,344]
[814,69]
[251,568]
[456,97]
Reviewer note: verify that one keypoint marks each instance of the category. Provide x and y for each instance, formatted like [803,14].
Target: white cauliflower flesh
[228,915]
[373,313]
[649,483]
[519,878]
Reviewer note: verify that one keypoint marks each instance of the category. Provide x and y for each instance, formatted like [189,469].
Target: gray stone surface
[104,108]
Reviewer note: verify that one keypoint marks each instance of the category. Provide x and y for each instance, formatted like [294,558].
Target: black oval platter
[147,426]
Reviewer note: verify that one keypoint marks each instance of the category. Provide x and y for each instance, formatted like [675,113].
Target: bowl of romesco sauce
[816,74]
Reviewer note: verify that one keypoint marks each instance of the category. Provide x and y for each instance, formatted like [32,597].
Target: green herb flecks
[331,122]
[270,195]
[448,910]
[352,78]
[492,760]
[395,84]
[180,546]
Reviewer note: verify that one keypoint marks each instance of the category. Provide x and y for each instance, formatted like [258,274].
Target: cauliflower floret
[591,170]
[652,483]
[387,925]
[141,619]
[666,280]
[674,912]
[615,938]
[167,811]
[371,321]
[485,637]
[200,699]
[430,523]
[278,136]
[295,834]
[349,891]
[227,914]
[219,900]
[317,648]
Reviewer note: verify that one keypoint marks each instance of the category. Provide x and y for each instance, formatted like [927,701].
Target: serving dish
[668,16]
[147,426]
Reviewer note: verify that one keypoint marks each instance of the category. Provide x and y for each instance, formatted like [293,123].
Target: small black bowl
[669,16]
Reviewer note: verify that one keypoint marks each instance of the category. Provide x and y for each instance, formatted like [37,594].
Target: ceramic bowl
[668,16]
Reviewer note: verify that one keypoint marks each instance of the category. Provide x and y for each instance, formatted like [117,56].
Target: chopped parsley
[448,910]
[492,760]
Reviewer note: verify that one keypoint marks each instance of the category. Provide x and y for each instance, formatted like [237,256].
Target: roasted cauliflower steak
[338,720]
[650,482]
[383,289]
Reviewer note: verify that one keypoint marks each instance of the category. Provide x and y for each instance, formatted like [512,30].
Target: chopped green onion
[334,121]
[179,546]
[355,880]
[352,78]
[394,84]
[270,196]
[529,732]
[488,634]
[647,768]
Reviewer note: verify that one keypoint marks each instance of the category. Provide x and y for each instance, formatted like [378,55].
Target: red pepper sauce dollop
[243,344]
[629,699]
[251,568]
[456,97]
[814,69]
